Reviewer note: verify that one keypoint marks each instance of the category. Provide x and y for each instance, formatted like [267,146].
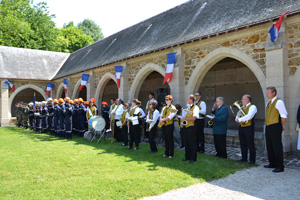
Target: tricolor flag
[84,79]
[119,70]
[11,85]
[170,65]
[274,30]
[65,85]
[49,88]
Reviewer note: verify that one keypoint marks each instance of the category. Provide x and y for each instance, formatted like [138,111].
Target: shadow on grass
[206,168]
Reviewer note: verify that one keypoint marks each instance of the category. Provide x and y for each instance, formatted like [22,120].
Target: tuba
[240,112]
[160,125]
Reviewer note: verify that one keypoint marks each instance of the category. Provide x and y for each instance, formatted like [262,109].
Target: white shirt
[118,110]
[126,115]
[171,115]
[149,101]
[195,111]
[182,113]
[280,107]
[142,113]
[154,120]
[136,112]
[203,109]
[251,113]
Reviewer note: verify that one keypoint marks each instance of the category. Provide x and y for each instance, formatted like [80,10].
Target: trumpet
[160,125]
[185,122]
[240,113]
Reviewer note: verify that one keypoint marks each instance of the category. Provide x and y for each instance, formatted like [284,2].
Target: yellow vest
[92,111]
[272,114]
[198,104]
[166,112]
[190,123]
[113,107]
[123,116]
[246,110]
[131,112]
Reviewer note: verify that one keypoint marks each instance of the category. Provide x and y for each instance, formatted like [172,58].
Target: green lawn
[40,166]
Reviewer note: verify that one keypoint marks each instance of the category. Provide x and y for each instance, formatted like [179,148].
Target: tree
[90,28]
[75,37]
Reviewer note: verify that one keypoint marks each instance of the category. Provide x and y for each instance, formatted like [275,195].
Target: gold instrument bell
[160,125]
[211,122]
[240,112]
[184,123]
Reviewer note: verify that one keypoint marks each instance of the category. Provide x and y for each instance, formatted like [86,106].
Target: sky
[111,15]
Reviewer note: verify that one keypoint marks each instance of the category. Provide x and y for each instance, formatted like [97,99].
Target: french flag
[84,79]
[49,88]
[65,85]
[119,70]
[10,85]
[274,30]
[170,65]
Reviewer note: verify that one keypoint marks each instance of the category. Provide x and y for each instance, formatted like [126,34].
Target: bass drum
[88,135]
[97,123]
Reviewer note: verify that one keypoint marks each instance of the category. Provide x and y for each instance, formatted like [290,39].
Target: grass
[40,166]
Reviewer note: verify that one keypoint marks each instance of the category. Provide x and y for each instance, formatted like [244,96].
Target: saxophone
[185,122]
[160,125]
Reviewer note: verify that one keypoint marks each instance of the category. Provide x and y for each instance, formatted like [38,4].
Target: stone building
[223,49]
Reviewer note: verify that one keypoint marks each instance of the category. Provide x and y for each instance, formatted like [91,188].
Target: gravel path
[254,183]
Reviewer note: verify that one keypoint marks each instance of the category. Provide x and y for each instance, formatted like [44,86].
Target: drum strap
[90,112]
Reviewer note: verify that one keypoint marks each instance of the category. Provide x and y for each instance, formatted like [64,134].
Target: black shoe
[269,166]
[192,161]
[242,160]
[252,162]
[222,156]
[184,160]
[277,170]
[129,148]
[201,151]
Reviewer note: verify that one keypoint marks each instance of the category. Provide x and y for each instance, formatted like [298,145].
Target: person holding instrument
[152,122]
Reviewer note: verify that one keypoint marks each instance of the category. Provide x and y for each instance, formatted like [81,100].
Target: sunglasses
[167,99]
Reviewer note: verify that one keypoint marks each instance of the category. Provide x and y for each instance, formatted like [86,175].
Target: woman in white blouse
[134,126]
[152,120]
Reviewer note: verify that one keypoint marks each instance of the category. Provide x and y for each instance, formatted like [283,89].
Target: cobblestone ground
[235,153]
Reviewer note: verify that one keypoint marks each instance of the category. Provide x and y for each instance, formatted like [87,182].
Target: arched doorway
[60,92]
[151,83]
[231,79]
[26,96]
[110,91]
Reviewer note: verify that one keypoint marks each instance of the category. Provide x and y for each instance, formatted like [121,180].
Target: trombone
[240,113]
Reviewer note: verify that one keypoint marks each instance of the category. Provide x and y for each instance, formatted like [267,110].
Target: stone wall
[293,47]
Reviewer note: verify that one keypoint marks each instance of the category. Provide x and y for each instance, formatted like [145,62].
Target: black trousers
[182,137]
[117,132]
[199,123]
[134,132]
[191,144]
[124,132]
[152,135]
[246,135]
[169,139]
[220,145]
[274,145]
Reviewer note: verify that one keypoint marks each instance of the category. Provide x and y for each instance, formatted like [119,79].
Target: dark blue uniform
[44,113]
[61,117]
[55,120]
[81,119]
[31,118]
[37,120]
[105,115]
[50,126]
[75,120]
[68,111]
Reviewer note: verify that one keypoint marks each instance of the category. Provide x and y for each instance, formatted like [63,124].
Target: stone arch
[101,86]
[217,55]
[60,89]
[76,90]
[23,87]
[141,76]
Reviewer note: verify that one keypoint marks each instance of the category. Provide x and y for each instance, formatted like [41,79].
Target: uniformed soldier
[61,117]
[44,113]
[68,111]
[55,117]
[50,109]
[37,117]
[190,131]
[25,116]
[81,117]
[31,116]
[18,114]
[75,118]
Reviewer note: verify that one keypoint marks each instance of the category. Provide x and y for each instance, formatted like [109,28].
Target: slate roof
[20,63]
